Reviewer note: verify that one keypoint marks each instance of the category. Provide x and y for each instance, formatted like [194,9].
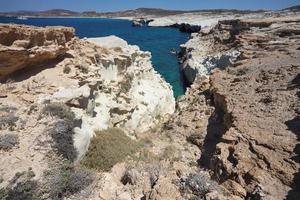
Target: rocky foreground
[58,90]
[247,124]
[93,120]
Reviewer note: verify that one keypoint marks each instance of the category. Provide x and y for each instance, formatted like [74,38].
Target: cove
[158,40]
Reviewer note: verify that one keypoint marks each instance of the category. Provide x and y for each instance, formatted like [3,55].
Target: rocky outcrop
[27,46]
[199,57]
[237,124]
[187,28]
[138,22]
[203,51]
[98,84]
[124,90]
[248,130]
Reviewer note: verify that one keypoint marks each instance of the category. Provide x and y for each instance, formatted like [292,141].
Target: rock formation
[138,22]
[183,27]
[25,46]
[233,135]
[98,83]
[248,131]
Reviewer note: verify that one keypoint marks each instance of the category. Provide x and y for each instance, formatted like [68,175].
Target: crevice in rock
[259,156]
[219,123]
[231,158]
[294,126]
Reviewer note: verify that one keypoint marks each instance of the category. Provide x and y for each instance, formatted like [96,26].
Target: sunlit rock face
[26,46]
[117,87]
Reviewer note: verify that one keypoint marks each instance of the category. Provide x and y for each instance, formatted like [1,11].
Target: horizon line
[183,10]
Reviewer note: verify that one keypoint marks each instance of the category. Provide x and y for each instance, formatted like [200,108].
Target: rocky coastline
[65,102]
[250,71]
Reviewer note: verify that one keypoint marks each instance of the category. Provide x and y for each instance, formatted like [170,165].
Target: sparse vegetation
[130,177]
[67,69]
[59,110]
[62,131]
[198,184]
[67,180]
[62,135]
[8,118]
[154,172]
[108,148]
[8,141]
[21,187]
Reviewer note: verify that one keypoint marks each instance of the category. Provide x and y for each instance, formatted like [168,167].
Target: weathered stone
[28,46]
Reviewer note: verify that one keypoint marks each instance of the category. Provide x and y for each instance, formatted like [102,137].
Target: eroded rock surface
[28,46]
[99,83]
[249,137]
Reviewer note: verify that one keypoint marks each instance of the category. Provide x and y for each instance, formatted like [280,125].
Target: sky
[118,5]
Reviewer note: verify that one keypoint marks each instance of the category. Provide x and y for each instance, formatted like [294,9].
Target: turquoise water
[159,41]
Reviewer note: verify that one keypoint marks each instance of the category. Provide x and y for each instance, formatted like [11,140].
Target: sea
[160,41]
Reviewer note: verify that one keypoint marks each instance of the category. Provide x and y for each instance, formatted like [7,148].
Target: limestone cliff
[100,83]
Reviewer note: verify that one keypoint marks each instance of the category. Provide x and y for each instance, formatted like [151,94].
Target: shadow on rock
[294,126]
[27,72]
[215,129]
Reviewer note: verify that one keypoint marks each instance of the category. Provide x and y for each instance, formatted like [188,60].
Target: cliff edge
[248,129]
[58,92]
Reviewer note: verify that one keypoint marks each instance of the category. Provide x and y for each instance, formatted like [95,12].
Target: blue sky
[116,5]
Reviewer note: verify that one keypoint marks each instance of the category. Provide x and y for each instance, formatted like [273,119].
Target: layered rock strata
[25,46]
[248,131]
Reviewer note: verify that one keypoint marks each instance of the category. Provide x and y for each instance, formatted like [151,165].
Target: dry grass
[108,148]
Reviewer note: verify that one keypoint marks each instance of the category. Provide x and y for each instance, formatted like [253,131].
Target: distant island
[128,13]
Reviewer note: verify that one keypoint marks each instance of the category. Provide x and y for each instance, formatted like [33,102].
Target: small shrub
[154,172]
[108,148]
[8,121]
[21,187]
[62,131]
[8,141]
[67,70]
[198,184]
[59,110]
[7,117]
[62,135]
[67,180]
[130,177]
[145,155]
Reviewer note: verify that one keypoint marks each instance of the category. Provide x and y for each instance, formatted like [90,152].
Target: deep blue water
[159,41]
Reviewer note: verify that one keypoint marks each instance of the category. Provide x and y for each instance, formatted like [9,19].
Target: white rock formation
[203,19]
[200,59]
[121,89]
